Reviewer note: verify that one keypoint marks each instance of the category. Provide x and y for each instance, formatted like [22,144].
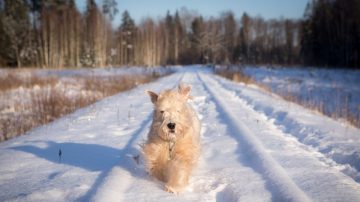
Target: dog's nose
[171,126]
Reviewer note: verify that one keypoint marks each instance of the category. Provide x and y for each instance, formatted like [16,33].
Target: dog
[173,145]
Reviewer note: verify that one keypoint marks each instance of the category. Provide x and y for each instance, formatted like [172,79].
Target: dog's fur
[171,153]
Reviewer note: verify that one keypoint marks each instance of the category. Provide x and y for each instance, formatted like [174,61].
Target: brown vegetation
[47,100]
[10,80]
[238,76]
[340,112]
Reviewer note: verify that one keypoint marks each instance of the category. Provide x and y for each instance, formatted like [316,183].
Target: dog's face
[171,113]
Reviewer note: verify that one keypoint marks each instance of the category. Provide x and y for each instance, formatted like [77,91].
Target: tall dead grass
[109,85]
[341,111]
[48,99]
[238,76]
[14,79]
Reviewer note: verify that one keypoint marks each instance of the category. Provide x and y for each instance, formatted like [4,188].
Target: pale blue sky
[265,8]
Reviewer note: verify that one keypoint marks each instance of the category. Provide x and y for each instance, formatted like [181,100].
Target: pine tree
[16,27]
[4,45]
[330,33]
[110,9]
[127,36]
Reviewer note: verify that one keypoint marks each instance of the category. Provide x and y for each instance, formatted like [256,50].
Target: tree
[178,38]
[57,28]
[331,33]
[16,28]
[244,38]
[110,8]
[126,39]
[149,49]
[215,43]
[229,24]
[169,44]
[290,31]
[94,47]
[4,45]
[73,35]
[198,40]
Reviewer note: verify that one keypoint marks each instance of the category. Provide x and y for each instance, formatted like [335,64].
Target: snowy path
[255,147]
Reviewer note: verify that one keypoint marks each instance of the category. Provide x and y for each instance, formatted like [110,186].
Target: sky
[139,9]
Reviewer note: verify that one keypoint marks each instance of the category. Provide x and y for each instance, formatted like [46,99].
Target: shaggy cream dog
[173,146]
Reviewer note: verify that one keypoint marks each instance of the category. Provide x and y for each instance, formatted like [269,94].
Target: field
[256,146]
[31,97]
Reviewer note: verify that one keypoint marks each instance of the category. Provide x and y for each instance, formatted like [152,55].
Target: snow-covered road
[255,147]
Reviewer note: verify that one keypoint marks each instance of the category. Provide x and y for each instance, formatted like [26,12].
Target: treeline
[55,34]
[331,33]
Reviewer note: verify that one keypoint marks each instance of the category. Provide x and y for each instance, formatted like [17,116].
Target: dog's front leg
[177,173]
[155,160]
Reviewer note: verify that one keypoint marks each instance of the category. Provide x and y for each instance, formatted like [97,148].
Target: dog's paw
[171,189]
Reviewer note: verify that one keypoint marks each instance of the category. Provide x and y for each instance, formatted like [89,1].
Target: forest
[55,34]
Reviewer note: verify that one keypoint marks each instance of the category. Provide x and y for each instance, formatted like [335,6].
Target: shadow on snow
[91,157]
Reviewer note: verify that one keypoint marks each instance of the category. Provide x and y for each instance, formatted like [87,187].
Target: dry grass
[341,111]
[12,80]
[48,100]
[109,85]
[238,76]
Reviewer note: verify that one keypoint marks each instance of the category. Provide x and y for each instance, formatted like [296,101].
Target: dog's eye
[162,111]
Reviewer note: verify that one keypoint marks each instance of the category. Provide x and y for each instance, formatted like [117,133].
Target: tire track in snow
[306,134]
[220,174]
[279,183]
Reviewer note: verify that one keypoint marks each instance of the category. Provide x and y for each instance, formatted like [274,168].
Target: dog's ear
[153,96]
[184,90]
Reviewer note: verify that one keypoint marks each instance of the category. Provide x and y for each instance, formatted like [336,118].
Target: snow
[255,147]
[339,142]
[335,91]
